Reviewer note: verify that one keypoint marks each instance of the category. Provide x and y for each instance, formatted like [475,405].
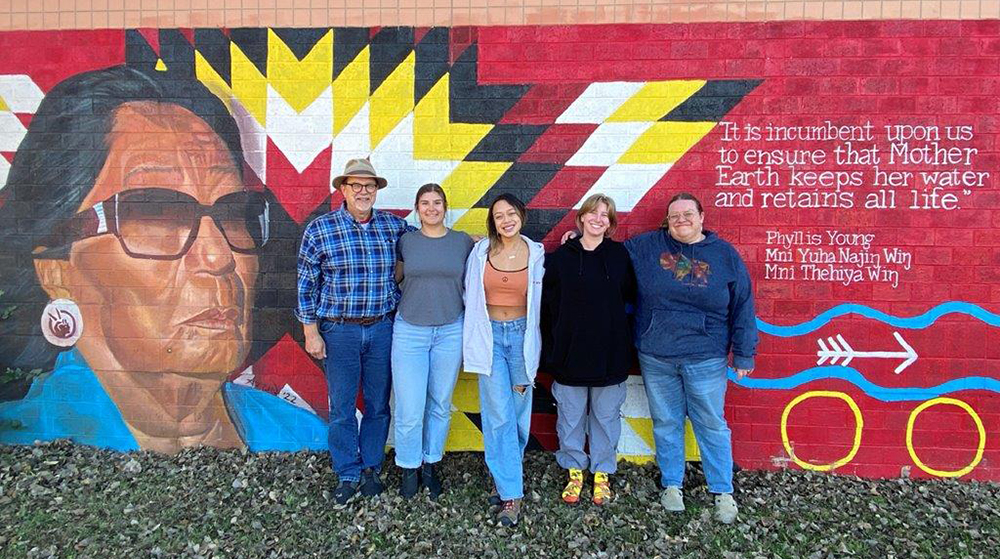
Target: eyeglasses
[357,187]
[686,216]
[162,224]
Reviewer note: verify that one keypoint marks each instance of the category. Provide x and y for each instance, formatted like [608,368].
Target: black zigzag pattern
[300,40]
[389,48]
[712,102]
[348,42]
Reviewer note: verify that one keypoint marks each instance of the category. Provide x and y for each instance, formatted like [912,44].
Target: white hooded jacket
[477,332]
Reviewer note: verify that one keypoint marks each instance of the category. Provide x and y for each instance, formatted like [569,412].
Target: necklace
[517,250]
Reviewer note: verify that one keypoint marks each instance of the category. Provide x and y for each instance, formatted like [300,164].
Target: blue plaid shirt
[347,270]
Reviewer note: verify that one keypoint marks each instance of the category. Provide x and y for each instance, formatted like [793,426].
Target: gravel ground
[62,500]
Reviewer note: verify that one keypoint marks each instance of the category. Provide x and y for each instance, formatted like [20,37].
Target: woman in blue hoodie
[695,307]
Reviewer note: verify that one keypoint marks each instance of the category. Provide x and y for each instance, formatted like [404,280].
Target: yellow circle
[979,426]
[859,424]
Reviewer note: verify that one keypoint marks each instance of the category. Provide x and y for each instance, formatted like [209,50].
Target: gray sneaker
[672,499]
[725,508]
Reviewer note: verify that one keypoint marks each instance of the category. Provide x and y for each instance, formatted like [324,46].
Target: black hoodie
[586,334]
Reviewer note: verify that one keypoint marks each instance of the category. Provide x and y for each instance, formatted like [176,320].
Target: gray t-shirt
[433,277]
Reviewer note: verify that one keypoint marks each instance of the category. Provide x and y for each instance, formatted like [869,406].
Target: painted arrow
[840,349]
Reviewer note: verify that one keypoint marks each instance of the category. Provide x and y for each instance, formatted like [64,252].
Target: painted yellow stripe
[350,90]
[637,458]
[473,221]
[212,80]
[463,434]
[470,180]
[3,105]
[299,82]
[392,101]
[644,428]
[655,100]
[434,136]
[249,85]
[466,395]
[666,142]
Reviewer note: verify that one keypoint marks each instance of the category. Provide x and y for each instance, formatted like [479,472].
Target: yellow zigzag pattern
[392,101]
[350,90]
[301,82]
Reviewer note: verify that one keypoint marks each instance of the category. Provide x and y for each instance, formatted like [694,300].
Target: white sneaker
[725,508]
[672,499]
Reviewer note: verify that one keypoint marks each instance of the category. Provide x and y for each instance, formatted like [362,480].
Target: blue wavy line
[883,393]
[913,322]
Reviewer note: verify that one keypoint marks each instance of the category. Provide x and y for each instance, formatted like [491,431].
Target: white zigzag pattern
[300,136]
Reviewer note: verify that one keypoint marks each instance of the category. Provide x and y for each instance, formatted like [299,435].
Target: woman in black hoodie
[587,344]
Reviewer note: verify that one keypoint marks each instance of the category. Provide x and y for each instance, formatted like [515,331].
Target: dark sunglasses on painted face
[163,224]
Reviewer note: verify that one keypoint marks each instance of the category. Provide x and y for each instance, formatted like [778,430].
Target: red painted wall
[875,257]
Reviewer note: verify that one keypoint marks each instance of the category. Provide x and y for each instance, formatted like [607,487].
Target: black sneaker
[494,499]
[428,474]
[371,485]
[344,491]
[410,484]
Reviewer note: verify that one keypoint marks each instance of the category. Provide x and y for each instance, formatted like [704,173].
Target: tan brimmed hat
[359,168]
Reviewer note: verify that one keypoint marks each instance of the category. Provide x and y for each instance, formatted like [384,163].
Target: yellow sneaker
[571,494]
[602,488]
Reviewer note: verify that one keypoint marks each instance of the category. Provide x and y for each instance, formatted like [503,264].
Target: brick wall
[859,264]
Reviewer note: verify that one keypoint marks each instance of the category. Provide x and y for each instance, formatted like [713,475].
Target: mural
[155,191]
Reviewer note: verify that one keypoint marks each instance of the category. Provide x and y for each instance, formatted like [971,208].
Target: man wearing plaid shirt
[347,294]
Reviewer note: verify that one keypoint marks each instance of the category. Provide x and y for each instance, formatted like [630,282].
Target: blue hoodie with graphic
[695,300]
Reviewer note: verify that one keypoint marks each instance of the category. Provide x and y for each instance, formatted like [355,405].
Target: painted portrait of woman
[131,255]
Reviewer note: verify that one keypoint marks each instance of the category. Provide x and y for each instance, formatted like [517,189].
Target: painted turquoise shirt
[70,403]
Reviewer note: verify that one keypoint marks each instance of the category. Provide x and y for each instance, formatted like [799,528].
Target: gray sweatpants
[601,418]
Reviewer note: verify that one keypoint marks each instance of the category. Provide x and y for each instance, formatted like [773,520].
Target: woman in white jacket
[501,341]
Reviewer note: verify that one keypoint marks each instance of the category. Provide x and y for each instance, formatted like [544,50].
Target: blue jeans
[677,388]
[356,355]
[506,413]
[425,362]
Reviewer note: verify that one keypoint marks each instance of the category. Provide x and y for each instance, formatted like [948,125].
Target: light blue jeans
[695,388]
[505,412]
[425,362]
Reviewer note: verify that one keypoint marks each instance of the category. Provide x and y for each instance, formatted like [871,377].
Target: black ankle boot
[411,483]
[371,485]
[428,473]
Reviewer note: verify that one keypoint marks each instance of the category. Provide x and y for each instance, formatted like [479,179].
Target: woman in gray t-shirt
[427,339]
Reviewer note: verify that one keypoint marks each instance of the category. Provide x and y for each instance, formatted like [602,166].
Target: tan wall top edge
[101,14]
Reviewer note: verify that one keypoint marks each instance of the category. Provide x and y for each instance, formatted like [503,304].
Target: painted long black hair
[55,168]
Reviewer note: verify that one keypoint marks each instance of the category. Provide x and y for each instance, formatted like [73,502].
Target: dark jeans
[357,355]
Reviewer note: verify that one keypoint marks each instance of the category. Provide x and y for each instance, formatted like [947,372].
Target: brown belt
[365,321]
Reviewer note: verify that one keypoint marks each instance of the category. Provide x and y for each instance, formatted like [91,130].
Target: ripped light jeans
[505,412]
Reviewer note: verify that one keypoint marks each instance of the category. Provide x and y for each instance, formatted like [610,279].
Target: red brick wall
[552,113]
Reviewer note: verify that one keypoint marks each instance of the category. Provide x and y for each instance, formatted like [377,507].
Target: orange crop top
[505,289]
